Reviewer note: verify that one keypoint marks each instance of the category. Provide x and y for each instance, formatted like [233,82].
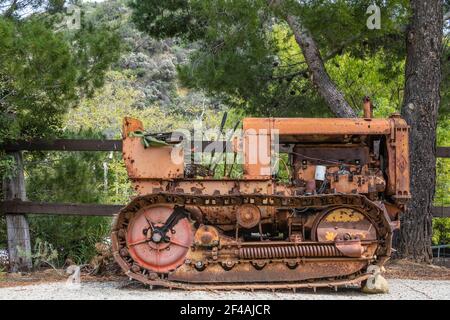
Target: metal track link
[355,279]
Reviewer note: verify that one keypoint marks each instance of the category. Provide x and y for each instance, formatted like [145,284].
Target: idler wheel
[248,216]
[152,246]
[206,236]
[343,223]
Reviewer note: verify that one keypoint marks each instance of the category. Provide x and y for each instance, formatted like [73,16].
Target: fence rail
[443,152]
[79,209]
[13,207]
[63,145]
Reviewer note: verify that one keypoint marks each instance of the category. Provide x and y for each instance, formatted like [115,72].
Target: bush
[441,231]
[74,177]
[72,238]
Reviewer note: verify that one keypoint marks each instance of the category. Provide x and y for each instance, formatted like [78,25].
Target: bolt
[135,268]
[153,276]
[156,237]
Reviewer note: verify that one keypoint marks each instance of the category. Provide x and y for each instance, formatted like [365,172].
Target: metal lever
[159,234]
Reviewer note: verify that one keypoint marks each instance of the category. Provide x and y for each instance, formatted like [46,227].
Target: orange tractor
[329,224]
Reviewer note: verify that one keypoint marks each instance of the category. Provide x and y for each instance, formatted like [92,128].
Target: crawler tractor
[327,225]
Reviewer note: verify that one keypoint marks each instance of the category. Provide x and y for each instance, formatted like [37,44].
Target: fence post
[19,245]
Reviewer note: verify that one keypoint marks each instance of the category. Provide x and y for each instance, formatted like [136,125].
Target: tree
[44,72]
[420,110]
[313,58]
[241,59]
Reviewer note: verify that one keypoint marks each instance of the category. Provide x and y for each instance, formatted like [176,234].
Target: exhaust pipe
[368,108]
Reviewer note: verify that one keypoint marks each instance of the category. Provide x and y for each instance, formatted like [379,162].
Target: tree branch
[12,8]
[447,16]
[325,85]
[320,78]
[330,55]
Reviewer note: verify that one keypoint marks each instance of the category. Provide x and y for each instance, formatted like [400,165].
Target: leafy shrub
[441,231]
[74,177]
[43,253]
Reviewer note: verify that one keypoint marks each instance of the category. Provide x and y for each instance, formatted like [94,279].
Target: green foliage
[73,237]
[442,196]
[441,231]
[43,73]
[370,76]
[42,254]
[167,19]
[441,226]
[248,57]
[121,96]
[7,165]
[72,178]
[334,23]
[37,76]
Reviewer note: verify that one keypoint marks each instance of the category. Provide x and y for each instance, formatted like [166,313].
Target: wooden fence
[15,206]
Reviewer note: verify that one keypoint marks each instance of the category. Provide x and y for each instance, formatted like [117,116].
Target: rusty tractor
[324,226]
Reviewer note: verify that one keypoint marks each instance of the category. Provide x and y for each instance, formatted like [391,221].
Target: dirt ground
[47,276]
[396,269]
[404,269]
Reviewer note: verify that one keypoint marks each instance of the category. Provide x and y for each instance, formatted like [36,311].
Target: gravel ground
[115,290]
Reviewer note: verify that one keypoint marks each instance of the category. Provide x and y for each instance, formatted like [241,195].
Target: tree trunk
[326,87]
[19,246]
[420,110]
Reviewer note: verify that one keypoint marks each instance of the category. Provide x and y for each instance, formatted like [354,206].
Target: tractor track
[373,211]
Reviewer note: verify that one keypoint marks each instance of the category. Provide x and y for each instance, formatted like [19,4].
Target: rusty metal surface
[273,273]
[319,126]
[225,258]
[248,215]
[329,154]
[353,279]
[398,157]
[344,224]
[334,218]
[159,257]
[206,236]
[148,163]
